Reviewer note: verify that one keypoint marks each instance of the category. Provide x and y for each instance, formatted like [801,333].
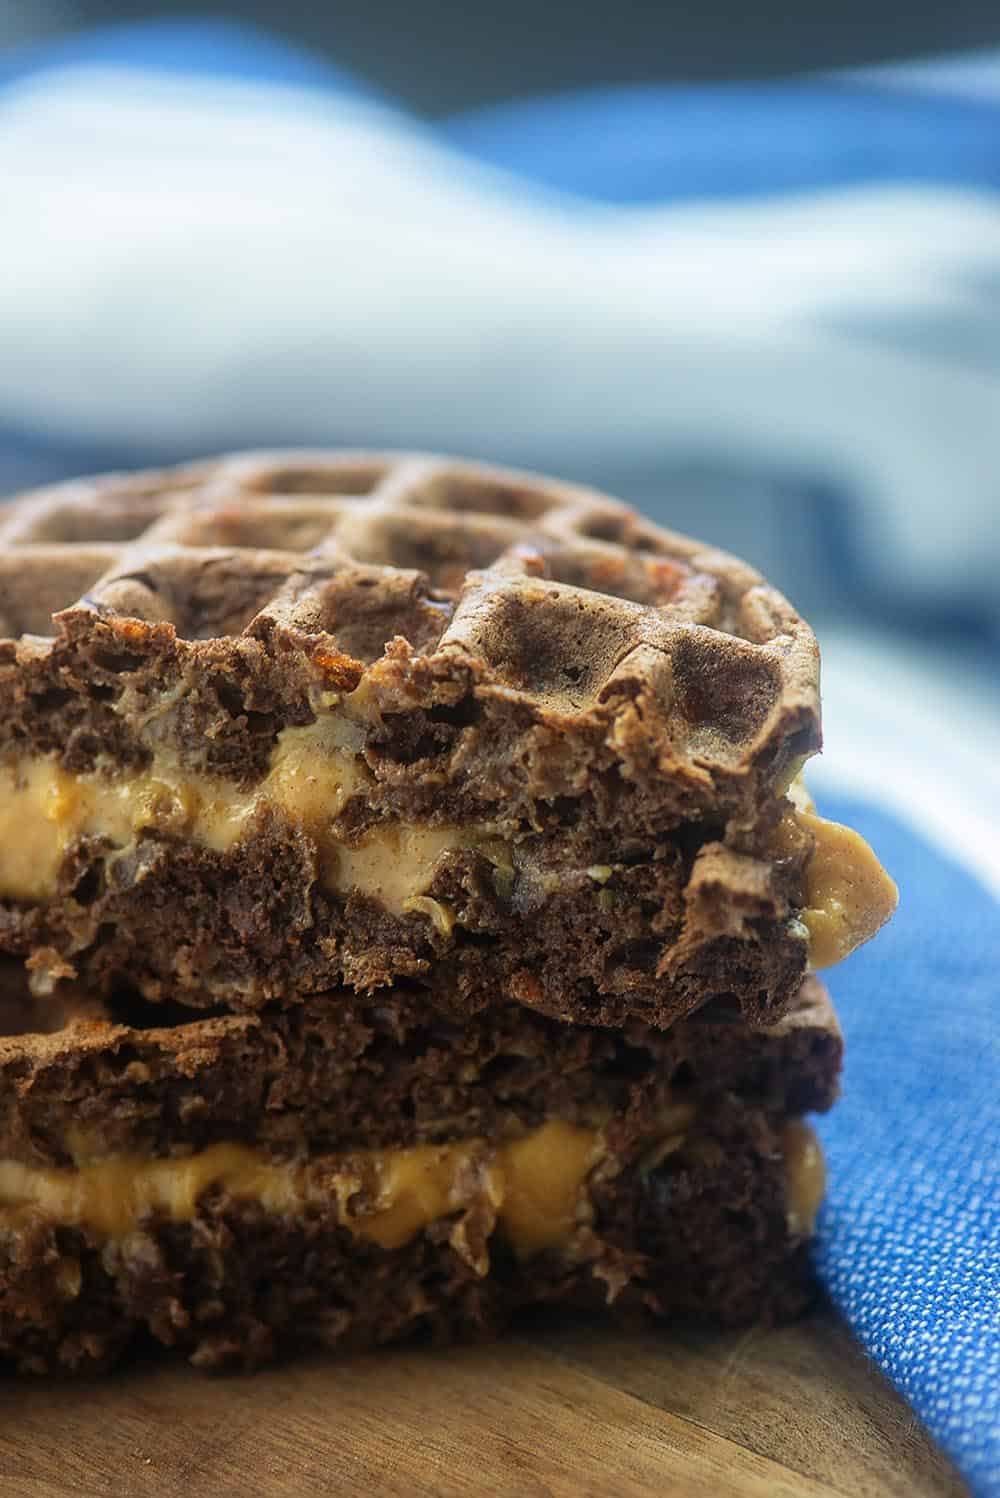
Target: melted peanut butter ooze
[535,1185]
[45,810]
[314,770]
[849,895]
[805,1177]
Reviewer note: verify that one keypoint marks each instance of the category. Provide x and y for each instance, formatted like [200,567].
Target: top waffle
[511,653]
[215,549]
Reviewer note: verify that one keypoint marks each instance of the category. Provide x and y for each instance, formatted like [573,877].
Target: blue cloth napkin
[909,1244]
[766,311]
[218,239]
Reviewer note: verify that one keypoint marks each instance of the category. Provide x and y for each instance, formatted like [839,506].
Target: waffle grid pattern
[556,587]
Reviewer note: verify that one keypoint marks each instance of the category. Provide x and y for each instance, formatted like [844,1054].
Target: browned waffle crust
[701,1227]
[621,707]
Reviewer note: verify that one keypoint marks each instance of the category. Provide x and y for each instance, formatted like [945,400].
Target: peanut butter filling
[314,770]
[849,895]
[45,810]
[534,1184]
[805,1176]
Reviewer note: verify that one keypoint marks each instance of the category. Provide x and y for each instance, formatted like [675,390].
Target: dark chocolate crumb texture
[275,725]
[352,1171]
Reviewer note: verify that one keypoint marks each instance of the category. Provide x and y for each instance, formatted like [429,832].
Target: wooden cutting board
[564,1407]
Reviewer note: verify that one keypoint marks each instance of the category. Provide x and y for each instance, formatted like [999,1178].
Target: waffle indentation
[306,473]
[548,640]
[259,524]
[363,608]
[205,595]
[39,581]
[446,548]
[550,591]
[622,527]
[723,697]
[465,492]
[638,577]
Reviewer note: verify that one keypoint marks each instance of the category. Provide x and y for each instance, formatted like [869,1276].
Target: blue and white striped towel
[208,239]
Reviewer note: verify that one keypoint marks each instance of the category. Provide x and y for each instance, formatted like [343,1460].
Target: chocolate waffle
[273,725]
[353,1170]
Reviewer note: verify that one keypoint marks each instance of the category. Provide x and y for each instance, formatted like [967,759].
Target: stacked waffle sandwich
[410,906]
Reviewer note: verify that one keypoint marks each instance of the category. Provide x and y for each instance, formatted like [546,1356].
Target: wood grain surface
[562,1406]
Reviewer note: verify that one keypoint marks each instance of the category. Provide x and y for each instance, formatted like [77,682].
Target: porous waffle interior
[329,544]
[85,1077]
[233,1191]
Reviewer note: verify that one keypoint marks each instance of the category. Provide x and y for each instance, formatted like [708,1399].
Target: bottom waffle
[349,1172]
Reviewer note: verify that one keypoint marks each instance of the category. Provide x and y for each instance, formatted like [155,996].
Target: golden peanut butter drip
[534,1185]
[805,1177]
[849,896]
